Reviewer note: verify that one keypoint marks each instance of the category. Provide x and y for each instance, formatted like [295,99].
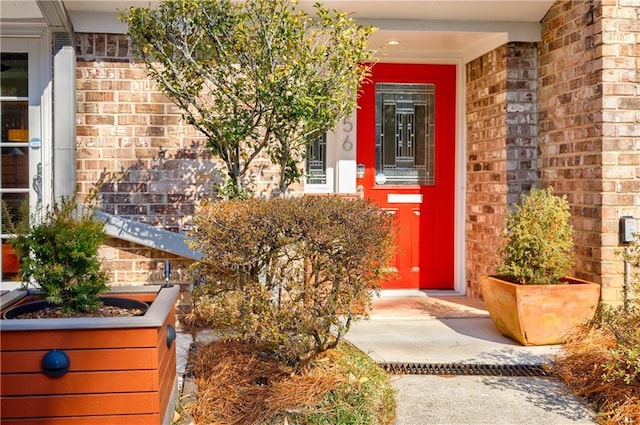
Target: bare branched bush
[290,274]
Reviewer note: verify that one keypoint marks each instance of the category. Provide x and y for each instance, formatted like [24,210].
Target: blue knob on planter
[55,363]
[171,335]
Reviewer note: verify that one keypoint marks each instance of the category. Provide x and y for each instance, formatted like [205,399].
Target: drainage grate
[465,369]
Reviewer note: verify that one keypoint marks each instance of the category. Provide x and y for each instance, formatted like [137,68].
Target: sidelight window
[317,160]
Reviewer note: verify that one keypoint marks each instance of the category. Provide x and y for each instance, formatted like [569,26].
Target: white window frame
[341,160]
[36,42]
[327,186]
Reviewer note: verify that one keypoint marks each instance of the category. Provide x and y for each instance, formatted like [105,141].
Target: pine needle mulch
[582,365]
[239,386]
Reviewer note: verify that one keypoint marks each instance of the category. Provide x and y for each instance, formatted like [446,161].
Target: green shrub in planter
[539,239]
[59,254]
[289,273]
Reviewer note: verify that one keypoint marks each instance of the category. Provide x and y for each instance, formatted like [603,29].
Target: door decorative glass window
[405,134]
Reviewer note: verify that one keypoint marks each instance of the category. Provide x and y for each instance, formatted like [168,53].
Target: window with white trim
[317,160]
[20,160]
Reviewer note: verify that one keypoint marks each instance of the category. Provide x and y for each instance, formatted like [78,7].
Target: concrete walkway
[416,328]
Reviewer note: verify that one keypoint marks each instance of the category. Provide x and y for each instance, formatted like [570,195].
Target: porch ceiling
[436,10]
[426,29]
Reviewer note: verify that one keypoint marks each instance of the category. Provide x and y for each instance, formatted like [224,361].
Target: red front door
[406,147]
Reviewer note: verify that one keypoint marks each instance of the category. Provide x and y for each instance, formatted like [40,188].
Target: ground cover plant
[237,385]
[601,362]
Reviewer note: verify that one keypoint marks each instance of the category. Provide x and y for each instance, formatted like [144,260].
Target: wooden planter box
[539,314]
[121,370]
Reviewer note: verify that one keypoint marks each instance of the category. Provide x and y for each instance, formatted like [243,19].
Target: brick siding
[501,148]
[589,132]
[486,163]
[620,53]
[156,168]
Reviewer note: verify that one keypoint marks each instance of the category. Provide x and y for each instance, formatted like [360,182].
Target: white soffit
[19,10]
[456,30]
[435,10]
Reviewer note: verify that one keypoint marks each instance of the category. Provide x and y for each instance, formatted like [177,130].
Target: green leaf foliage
[59,254]
[539,239]
[631,254]
[289,273]
[253,76]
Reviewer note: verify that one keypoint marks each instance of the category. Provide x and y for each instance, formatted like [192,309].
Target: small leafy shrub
[632,255]
[539,239]
[59,254]
[289,273]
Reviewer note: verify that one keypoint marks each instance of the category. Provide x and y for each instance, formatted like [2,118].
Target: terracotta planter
[539,314]
[119,370]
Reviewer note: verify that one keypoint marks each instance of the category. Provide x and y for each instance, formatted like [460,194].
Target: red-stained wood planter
[121,370]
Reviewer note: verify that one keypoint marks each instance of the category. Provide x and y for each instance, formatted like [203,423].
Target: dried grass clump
[238,385]
[586,364]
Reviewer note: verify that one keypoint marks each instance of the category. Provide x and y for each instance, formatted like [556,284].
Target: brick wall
[501,148]
[486,163]
[589,126]
[522,119]
[156,168]
[570,100]
[129,135]
[619,49]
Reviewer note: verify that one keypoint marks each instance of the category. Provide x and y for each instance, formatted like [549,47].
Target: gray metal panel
[146,235]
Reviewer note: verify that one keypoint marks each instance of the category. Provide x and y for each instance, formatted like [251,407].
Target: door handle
[37,182]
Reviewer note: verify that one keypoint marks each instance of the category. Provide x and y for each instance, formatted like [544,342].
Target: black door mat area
[466,369]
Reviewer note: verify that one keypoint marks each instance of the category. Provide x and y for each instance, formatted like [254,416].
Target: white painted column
[346,155]
[64,126]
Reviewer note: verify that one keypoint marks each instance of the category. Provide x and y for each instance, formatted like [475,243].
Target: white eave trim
[58,21]
[97,22]
[518,31]
[486,44]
